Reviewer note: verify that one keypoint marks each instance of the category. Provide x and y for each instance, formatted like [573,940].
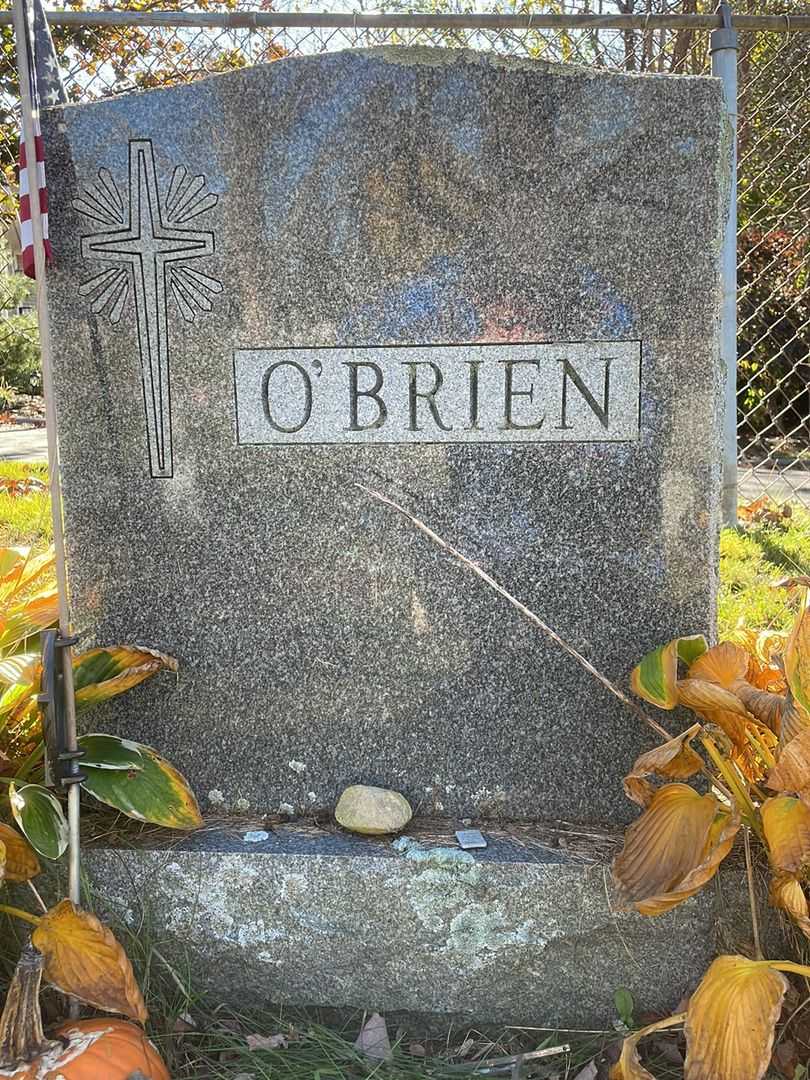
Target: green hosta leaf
[102,674]
[109,752]
[655,678]
[155,792]
[40,819]
[690,648]
[797,653]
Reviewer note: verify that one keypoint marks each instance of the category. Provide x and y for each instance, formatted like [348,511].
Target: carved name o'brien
[550,392]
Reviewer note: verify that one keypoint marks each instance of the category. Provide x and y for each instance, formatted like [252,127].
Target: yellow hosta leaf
[762,647]
[655,677]
[764,671]
[794,720]
[723,664]
[101,674]
[764,705]
[786,824]
[792,770]
[674,759]
[731,1018]
[706,697]
[629,1066]
[717,706]
[665,843]
[638,790]
[83,958]
[747,684]
[21,862]
[673,849]
[37,567]
[19,668]
[786,892]
[797,653]
[719,843]
[26,569]
[28,618]
[11,559]
[732,724]
[768,678]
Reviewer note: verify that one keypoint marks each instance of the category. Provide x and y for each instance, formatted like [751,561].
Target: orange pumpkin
[81,1050]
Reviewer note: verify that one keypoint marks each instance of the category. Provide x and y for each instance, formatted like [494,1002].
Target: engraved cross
[150,245]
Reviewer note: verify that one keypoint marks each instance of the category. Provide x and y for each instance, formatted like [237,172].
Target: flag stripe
[38,41]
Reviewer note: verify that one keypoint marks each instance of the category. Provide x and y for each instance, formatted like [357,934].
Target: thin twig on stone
[521,607]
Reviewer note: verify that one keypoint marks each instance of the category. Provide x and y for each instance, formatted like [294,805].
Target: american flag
[46,89]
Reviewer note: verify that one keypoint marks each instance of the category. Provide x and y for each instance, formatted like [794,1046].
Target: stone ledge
[521,933]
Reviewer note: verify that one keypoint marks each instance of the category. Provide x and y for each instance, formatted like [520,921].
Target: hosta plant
[70,948]
[125,775]
[751,697]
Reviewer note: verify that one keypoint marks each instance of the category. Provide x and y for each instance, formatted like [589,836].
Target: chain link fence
[774,158]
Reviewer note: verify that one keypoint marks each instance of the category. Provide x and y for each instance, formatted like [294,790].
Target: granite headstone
[487,288]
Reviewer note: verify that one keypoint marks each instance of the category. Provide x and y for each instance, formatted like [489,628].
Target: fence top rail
[362,20]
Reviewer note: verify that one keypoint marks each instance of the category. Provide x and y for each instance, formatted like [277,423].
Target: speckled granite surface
[518,934]
[404,197]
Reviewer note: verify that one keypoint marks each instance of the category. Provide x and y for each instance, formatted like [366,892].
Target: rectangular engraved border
[372,443]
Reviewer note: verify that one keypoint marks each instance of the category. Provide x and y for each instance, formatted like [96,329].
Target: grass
[25,519]
[751,560]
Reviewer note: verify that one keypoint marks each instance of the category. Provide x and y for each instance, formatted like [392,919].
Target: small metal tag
[470,838]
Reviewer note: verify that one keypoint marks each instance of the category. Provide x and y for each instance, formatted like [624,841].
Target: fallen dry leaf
[786,1059]
[20,486]
[83,958]
[267,1042]
[373,1041]
[590,1072]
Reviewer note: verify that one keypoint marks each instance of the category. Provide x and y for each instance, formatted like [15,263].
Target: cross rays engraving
[150,248]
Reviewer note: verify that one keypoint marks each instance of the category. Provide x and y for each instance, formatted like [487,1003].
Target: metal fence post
[723,47]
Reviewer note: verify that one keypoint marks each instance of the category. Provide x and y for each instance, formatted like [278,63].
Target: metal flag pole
[723,48]
[22,38]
